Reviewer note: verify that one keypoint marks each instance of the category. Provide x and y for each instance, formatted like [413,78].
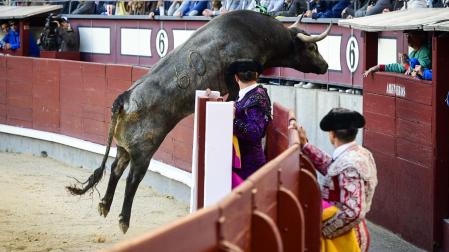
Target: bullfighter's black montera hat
[342,118]
[244,65]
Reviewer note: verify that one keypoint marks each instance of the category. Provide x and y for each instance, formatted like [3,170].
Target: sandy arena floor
[38,214]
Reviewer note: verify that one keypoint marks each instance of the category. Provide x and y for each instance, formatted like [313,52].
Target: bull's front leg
[117,168]
[138,169]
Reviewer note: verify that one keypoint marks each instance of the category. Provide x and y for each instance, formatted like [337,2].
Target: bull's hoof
[102,209]
[123,224]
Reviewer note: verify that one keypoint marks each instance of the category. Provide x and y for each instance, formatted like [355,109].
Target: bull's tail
[93,180]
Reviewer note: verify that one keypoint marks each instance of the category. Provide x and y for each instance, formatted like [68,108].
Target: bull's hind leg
[139,165]
[117,168]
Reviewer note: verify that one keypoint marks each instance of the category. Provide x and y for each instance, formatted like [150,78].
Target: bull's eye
[313,47]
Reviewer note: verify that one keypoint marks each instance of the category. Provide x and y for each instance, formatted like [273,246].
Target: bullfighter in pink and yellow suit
[350,175]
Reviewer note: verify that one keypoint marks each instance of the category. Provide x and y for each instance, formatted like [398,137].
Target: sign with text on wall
[396,90]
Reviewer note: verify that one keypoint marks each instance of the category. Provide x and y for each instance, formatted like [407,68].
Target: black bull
[144,114]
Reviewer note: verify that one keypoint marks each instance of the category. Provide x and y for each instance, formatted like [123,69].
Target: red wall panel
[71,73]
[118,84]
[378,84]
[386,193]
[46,95]
[93,112]
[20,93]
[414,218]
[400,115]
[417,90]
[120,72]
[413,152]
[18,116]
[2,91]
[11,120]
[379,104]
[19,68]
[412,111]
[74,98]
[416,132]
[384,124]
[3,68]
[3,113]
[183,153]
[379,142]
[138,72]
[71,125]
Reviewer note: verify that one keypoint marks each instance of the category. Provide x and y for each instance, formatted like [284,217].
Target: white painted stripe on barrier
[95,40]
[218,151]
[181,36]
[329,48]
[135,42]
[165,170]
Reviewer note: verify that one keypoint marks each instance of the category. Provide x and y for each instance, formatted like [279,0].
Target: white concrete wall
[310,105]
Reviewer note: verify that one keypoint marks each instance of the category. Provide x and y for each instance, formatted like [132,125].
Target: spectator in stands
[141,8]
[67,38]
[121,8]
[173,7]
[251,117]
[373,7]
[274,6]
[214,10]
[350,175]
[326,8]
[158,8]
[414,4]
[11,41]
[191,8]
[67,6]
[259,6]
[5,29]
[290,8]
[417,41]
[422,73]
[85,7]
[230,5]
[416,70]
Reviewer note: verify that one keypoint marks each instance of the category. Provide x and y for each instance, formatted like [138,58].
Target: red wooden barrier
[74,98]
[275,209]
[401,135]
[196,232]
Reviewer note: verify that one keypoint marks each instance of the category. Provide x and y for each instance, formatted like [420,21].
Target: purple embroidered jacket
[252,116]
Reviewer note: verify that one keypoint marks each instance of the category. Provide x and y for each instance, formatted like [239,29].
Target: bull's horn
[298,21]
[312,39]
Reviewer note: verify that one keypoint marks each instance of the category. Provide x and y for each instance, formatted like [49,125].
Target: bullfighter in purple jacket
[252,116]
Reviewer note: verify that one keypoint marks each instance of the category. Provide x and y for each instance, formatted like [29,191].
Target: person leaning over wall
[350,175]
[417,41]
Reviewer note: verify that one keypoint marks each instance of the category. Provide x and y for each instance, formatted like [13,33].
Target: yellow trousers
[344,243]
